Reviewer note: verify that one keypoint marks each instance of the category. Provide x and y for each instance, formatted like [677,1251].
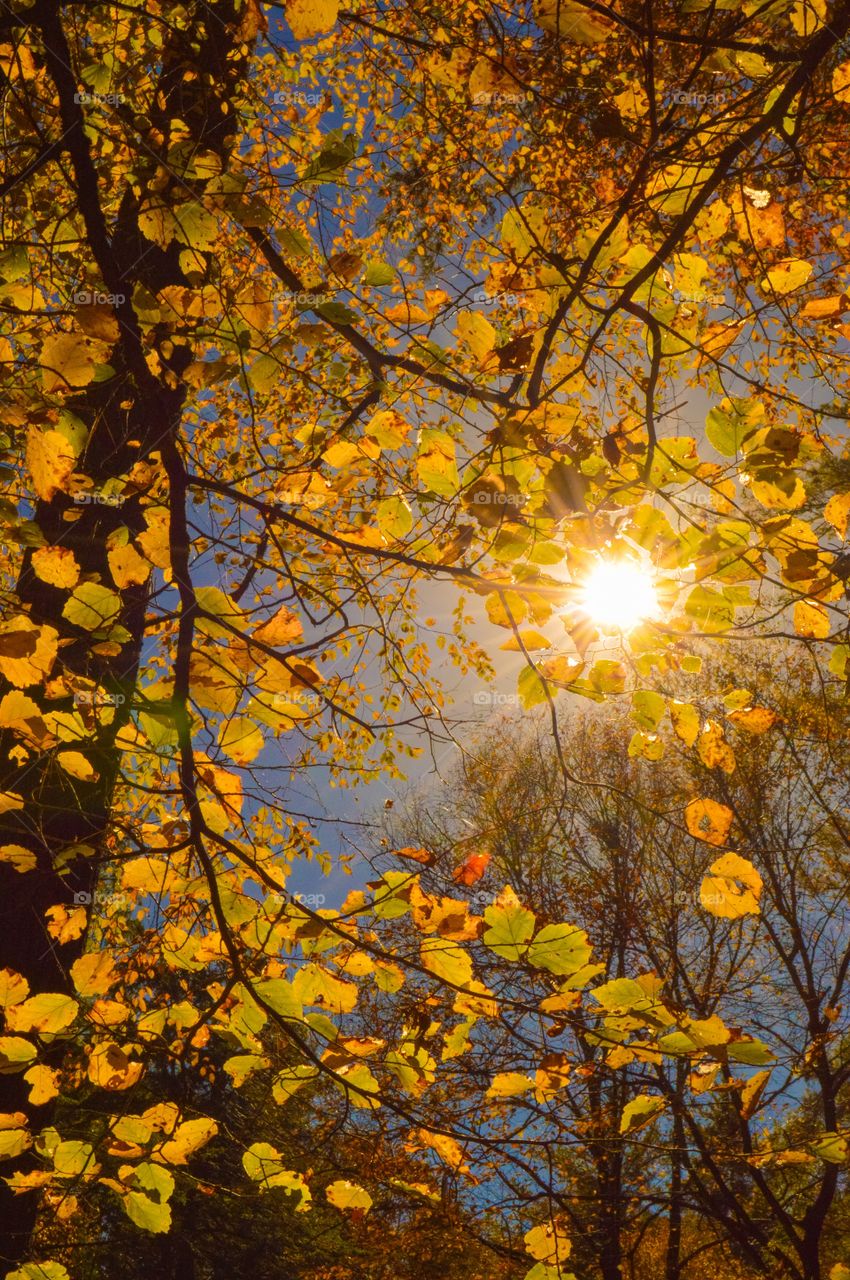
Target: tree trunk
[61,820]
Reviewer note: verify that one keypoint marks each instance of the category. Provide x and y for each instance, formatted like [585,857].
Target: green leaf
[262,1163]
[647,709]
[72,1158]
[378,273]
[395,519]
[560,948]
[280,995]
[147,1213]
[92,606]
[832,1147]
[338,151]
[510,926]
[15,1054]
[155,1179]
[639,1112]
[39,1271]
[435,463]
[750,1052]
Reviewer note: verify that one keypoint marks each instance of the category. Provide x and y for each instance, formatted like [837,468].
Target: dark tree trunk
[64,822]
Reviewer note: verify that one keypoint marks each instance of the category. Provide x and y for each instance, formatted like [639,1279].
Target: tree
[220,512]
[746,1166]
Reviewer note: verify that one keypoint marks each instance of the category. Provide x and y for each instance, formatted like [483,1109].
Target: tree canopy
[342,350]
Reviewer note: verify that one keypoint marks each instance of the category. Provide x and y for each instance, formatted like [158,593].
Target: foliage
[308,311]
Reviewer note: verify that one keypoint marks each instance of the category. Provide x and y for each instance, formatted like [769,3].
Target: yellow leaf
[477,332]
[752,1092]
[685,721]
[841,89]
[45,1014]
[507,1084]
[548,1243]
[64,926]
[570,21]
[825,308]
[18,857]
[27,652]
[16,709]
[57,566]
[10,800]
[446,959]
[127,567]
[406,313]
[43,1082]
[348,1195]
[632,102]
[92,606]
[13,988]
[528,640]
[449,1151]
[110,1067]
[713,750]
[754,719]
[94,973]
[282,629]
[241,739]
[50,460]
[808,16]
[68,360]
[709,821]
[309,18]
[787,275]
[837,510]
[188,1138]
[75,763]
[811,620]
[155,539]
[732,888]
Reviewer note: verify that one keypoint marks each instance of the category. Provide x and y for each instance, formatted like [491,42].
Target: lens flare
[619,593]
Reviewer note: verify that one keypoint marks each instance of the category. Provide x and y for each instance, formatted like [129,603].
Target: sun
[619,593]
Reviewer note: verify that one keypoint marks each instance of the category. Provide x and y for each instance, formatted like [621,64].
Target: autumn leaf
[309,18]
[472,868]
[640,1111]
[110,1067]
[348,1195]
[713,750]
[56,566]
[732,888]
[811,620]
[93,974]
[50,461]
[708,820]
